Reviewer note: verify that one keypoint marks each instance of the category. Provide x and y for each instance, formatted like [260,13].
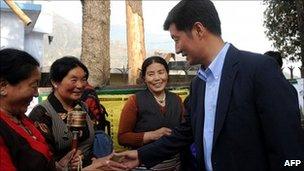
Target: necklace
[162,100]
[27,130]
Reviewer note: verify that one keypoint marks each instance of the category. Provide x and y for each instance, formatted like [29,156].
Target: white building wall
[33,44]
[12,31]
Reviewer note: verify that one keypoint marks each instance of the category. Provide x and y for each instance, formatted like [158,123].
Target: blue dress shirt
[212,77]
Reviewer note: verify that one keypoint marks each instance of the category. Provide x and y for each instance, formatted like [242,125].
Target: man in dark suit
[243,115]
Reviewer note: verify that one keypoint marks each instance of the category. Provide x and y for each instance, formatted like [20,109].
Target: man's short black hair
[187,12]
[275,55]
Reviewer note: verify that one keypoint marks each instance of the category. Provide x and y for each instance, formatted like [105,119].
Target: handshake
[116,161]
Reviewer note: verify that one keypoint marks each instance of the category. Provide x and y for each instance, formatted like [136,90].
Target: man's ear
[199,29]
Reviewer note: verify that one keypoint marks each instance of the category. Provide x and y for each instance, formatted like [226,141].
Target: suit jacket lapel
[229,72]
[198,112]
[200,117]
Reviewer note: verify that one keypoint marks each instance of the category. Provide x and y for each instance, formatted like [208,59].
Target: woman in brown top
[153,112]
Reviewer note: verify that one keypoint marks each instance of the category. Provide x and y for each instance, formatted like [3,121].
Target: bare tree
[95,52]
[135,39]
[124,72]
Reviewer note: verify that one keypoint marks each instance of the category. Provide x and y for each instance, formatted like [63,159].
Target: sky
[241,22]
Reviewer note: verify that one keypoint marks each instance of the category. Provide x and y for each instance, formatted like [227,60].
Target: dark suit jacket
[257,122]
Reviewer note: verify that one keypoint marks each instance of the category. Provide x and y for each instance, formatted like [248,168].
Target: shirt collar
[215,68]
[57,104]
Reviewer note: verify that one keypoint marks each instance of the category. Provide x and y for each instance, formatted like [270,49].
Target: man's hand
[130,158]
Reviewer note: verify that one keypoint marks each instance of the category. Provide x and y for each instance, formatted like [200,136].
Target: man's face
[186,43]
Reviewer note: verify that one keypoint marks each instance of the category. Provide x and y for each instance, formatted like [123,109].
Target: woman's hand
[155,135]
[129,158]
[105,164]
[64,161]
[75,161]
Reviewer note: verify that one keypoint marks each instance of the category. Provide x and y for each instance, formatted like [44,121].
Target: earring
[2,93]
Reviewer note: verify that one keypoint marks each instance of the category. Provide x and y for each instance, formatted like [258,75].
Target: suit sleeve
[279,113]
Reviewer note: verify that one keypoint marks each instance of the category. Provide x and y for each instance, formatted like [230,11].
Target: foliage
[281,21]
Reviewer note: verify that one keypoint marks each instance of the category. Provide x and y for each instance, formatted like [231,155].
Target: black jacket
[257,122]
